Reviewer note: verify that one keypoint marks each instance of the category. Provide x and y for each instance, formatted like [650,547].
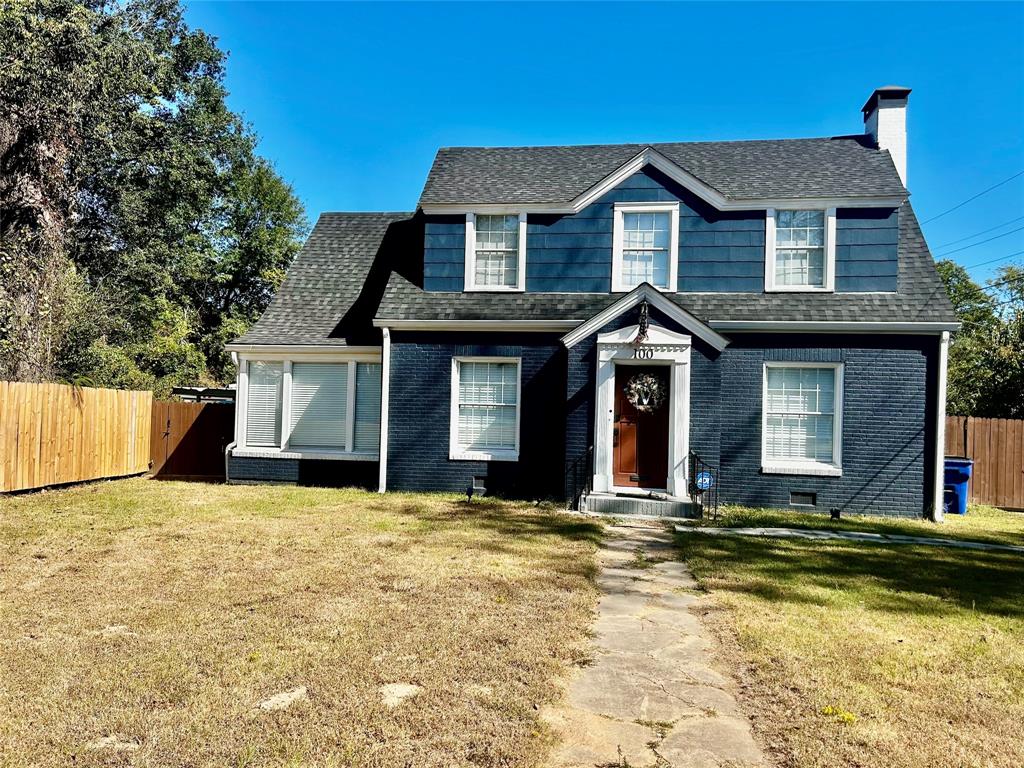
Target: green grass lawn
[142,622]
[863,654]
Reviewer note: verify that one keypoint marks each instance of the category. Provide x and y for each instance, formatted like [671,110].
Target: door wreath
[645,392]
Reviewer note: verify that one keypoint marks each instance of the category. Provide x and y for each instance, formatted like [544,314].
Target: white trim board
[654,297]
[826,326]
[651,156]
[297,349]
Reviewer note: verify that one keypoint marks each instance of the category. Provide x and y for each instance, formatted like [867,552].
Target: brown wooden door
[640,439]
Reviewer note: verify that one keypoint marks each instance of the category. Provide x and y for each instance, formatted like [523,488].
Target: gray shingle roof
[324,283]
[920,298]
[842,166]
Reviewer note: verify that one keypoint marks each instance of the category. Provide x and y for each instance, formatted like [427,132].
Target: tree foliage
[986,356]
[139,229]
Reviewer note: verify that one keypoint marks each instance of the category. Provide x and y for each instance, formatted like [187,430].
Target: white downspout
[238,388]
[940,428]
[385,391]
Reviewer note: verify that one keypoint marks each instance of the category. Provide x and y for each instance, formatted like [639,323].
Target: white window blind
[366,436]
[487,403]
[800,414]
[263,411]
[496,251]
[800,248]
[645,247]
[318,405]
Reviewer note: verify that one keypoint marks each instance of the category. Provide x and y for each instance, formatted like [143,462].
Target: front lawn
[863,654]
[142,623]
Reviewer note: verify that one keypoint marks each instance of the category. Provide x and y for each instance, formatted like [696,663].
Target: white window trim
[813,468]
[673,243]
[455,451]
[830,254]
[286,451]
[470,268]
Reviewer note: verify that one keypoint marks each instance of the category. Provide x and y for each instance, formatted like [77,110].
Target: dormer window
[800,250]
[645,246]
[496,252]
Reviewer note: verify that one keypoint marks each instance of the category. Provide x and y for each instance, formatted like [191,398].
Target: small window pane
[263,412]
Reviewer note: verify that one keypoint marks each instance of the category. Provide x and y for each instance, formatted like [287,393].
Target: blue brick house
[609,313]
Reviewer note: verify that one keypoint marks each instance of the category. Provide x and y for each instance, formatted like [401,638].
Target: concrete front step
[613,504]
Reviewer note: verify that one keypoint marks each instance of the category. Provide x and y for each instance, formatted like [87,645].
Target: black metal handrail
[579,473]
[704,482]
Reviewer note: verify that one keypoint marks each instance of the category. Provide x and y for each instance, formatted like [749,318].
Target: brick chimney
[885,121]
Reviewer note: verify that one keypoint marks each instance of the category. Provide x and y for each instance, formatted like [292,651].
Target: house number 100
[643,353]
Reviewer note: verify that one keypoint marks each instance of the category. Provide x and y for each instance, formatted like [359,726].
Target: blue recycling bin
[957,475]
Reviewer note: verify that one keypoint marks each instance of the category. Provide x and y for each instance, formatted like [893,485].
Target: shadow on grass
[895,578]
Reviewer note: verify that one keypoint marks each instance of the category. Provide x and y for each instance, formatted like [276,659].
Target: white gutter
[787,326]
[285,348]
[385,394]
[552,326]
[940,429]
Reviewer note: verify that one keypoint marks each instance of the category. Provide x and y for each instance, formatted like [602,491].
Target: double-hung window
[485,408]
[800,250]
[645,245]
[310,406]
[496,252]
[802,420]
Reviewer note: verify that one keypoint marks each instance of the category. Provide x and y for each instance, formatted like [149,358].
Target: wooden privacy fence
[997,447]
[188,439]
[52,434]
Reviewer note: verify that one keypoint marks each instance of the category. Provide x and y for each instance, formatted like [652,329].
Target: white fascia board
[769,326]
[284,349]
[537,326]
[651,156]
[657,300]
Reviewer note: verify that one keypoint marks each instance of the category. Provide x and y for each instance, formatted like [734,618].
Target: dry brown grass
[854,654]
[228,595]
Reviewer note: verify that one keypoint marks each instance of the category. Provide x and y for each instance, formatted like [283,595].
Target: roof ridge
[712,142]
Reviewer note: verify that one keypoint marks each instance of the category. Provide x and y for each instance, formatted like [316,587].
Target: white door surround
[661,347]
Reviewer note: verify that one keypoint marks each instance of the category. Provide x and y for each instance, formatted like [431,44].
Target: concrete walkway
[877,538]
[651,697]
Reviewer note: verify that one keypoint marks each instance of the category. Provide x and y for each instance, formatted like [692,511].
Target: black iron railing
[704,486]
[579,474]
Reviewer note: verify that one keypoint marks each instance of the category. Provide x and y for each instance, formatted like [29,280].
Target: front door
[640,437]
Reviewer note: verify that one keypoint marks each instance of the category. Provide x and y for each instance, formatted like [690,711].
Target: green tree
[132,199]
[986,356]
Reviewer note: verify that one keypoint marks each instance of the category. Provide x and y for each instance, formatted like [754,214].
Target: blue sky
[352,100]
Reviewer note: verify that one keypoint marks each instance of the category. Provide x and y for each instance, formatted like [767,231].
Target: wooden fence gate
[188,440]
[997,447]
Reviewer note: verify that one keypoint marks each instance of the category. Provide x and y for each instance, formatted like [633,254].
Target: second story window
[800,248]
[495,252]
[646,245]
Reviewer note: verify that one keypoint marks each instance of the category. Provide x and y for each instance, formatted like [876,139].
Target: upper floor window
[646,245]
[800,250]
[496,252]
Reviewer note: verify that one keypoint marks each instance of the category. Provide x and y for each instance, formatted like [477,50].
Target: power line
[992,261]
[975,197]
[981,242]
[970,237]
